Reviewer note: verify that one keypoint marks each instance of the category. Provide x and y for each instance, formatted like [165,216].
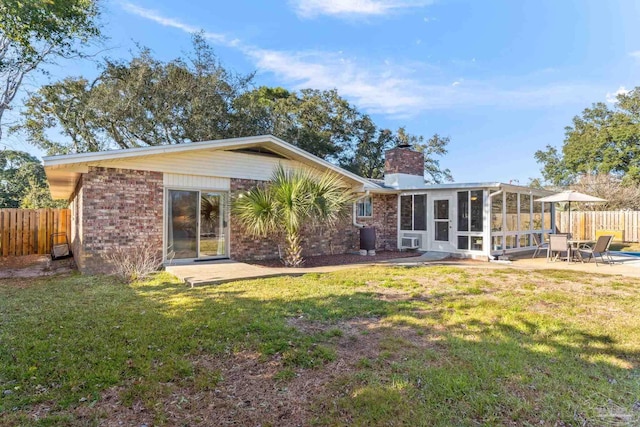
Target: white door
[442,234]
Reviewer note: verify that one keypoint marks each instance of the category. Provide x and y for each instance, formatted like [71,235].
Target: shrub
[136,263]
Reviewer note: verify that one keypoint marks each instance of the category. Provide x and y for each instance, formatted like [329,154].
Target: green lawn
[378,346]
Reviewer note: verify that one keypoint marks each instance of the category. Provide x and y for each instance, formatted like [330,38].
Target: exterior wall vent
[410,243]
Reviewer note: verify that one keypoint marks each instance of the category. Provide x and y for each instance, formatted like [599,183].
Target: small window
[413,212]
[365,207]
[470,215]
[420,212]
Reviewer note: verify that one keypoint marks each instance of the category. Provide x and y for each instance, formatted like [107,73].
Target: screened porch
[515,217]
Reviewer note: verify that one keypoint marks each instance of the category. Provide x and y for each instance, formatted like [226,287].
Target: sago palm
[292,198]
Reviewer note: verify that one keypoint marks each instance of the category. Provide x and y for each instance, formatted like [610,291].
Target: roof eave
[68,161]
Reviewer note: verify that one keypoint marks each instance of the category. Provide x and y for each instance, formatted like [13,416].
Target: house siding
[118,208]
[196,181]
[207,163]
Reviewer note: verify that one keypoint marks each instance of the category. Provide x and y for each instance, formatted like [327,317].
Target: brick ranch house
[177,200]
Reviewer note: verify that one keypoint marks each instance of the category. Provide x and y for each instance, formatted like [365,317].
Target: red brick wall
[120,209]
[341,238]
[404,160]
[385,219]
[241,245]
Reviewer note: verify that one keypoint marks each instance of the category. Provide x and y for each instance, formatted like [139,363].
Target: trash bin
[367,238]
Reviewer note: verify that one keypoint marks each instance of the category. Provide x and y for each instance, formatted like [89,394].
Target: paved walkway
[213,272]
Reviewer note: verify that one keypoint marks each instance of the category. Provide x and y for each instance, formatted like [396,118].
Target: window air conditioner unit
[410,243]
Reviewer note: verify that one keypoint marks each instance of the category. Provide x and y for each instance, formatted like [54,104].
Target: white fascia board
[480,185]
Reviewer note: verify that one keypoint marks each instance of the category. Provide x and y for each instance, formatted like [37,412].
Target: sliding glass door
[196,225]
[212,225]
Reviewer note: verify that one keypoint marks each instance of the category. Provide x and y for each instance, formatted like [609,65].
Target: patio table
[574,249]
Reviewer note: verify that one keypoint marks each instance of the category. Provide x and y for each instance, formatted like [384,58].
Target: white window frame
[413,212]
[470,235]
[361,207]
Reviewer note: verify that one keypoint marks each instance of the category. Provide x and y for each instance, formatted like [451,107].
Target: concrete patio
[623,265]
[204,273]
[214,272]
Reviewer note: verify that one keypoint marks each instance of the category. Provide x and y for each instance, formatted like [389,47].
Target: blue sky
[502,78]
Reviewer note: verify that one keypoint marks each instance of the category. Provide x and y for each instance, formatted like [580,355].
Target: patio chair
[558,243]
[540,245]
[601,248]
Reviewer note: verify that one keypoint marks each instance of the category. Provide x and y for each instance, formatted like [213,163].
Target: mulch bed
[340,259]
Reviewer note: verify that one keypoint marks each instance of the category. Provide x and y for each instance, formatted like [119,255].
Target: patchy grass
[382,346]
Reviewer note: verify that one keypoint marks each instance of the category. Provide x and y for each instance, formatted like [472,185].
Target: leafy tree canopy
[600,141]
[36,31]
[149,102]
[23,183]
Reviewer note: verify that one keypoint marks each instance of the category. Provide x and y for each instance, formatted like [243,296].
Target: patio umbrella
[570,196]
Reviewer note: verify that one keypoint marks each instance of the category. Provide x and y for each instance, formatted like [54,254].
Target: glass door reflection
[182,224]
[212,225]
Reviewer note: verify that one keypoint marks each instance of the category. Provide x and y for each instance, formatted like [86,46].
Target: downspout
[355,214]
[488,247]
[491,195]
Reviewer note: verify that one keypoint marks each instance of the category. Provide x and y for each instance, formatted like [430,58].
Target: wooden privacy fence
[28,231]
[585,224]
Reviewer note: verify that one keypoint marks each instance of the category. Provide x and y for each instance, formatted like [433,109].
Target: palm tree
[292,198]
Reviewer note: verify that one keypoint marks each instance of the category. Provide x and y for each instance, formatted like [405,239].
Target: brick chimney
[404,167]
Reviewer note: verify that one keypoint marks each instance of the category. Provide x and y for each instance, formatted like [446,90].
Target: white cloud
[635,54]
[385,87]
[612,98]
[398,91]
[313,8]
[156,17]
[374,89]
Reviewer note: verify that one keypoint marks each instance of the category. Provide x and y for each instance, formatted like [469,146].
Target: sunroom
[475,220]
[516,216]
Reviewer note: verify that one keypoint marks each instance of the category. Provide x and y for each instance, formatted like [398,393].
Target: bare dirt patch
[34,266]
[341,259]
[249,392]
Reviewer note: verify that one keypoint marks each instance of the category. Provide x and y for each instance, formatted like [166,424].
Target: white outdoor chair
[540,245]
[601,248]
[558,243]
